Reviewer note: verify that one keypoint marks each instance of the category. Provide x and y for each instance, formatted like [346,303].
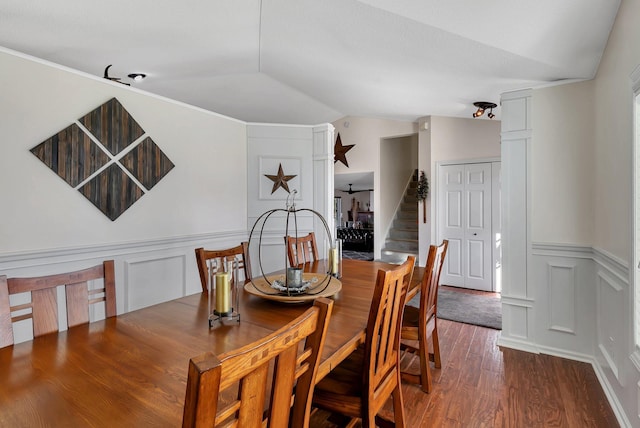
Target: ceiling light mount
[482,107]
[137,76]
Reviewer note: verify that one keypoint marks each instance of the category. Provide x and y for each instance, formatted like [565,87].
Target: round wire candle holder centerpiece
[294,284]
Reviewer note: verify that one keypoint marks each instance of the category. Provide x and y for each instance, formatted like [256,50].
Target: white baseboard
[616,406]
[519,345]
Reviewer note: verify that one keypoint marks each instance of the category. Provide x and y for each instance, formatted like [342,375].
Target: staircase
[402,239]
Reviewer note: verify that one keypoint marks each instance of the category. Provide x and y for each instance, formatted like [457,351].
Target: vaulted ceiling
[310,61]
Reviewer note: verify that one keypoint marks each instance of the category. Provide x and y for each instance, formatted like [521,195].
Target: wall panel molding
[593,286]
[24,259]
[147,272]
[562,250]
[151,280]
[611,298]
[562,296]
[612,264]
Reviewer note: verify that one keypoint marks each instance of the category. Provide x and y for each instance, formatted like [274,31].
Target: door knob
[475,234]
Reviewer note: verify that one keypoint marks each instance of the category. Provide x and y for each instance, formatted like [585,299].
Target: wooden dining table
[131,370]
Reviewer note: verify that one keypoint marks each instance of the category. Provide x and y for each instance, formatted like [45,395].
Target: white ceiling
[310,61]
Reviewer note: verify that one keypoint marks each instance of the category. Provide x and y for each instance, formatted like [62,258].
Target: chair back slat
[252,398]
[301,250]
[109,275]
[273,360]
[44,303]
[204,258]
[44,311]
[77,304]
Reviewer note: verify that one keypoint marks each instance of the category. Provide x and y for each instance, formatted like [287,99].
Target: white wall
[563,164]
[38,100]
[454,138]
[48,227]
[613,123]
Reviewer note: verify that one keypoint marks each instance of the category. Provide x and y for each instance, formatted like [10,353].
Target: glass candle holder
[223,291]
[335,259]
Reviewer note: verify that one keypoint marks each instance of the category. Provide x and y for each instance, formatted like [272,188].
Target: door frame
[496,251]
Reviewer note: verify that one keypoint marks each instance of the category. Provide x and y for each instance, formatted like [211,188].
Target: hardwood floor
[481,385]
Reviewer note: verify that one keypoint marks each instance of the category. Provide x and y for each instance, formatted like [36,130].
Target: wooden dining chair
[361,385]
[277,361]
[301,250]
[43,307]
[240,253]
[419,334]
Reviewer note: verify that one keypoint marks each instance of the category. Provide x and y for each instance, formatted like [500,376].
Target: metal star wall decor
[280,180]
[340,151]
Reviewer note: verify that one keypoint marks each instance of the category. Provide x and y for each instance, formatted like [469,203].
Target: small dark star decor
[280,180]
[340,151]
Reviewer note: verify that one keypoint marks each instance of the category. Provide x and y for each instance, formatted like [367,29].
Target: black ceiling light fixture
[137,76]
[482,107]
[113,79]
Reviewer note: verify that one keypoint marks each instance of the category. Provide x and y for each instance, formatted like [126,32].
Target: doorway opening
[354,214]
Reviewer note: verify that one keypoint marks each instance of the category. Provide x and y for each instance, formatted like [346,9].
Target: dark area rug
[357,255]
[485,311]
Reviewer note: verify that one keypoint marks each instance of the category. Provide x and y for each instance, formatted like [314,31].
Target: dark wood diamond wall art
[340,151]
[112,125]
[147,163]
[112,191]
[71,154]
[94,156]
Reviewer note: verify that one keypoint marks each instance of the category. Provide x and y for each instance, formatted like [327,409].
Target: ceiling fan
[351,191]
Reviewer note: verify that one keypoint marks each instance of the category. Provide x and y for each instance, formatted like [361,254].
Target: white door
[464,217]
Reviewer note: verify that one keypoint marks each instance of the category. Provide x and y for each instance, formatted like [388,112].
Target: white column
[323,191]
[517,295]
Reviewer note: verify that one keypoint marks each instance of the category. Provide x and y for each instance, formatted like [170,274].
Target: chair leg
[436,345]
[398,412]
[369,420]
[398,406]
[425,366]
[425,372]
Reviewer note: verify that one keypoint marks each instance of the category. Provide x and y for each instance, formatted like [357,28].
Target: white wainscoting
[561,299]
[613,292]
[562,278]
[147,272]
[579,312]
[152,280]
